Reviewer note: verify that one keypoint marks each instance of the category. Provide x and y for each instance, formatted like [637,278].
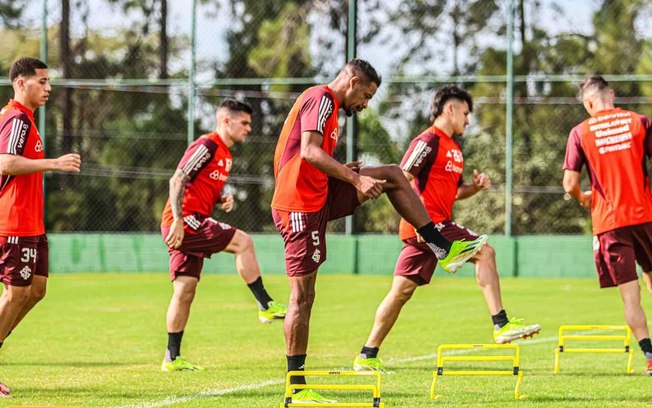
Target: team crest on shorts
[316,256]
[26,272]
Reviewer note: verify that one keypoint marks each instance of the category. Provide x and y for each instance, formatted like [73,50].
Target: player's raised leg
[407,203]
[242,247]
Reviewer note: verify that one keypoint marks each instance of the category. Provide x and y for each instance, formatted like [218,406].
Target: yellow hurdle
[513,358]
[374,388]
[626,338]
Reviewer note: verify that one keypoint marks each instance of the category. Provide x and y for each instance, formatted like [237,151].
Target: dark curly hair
[445,94]
[25,66]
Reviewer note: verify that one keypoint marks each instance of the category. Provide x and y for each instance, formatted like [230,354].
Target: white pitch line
[216,392]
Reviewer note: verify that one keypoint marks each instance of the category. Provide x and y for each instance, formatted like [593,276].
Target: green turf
[98,340]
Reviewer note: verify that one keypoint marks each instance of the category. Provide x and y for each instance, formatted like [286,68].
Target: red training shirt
[21,197]
[207,162]
[436,162]
[299,185]
[614,146]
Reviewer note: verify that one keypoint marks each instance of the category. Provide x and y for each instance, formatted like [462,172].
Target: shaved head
[593,85]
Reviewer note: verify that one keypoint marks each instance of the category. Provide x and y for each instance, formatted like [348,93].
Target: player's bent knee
[487,253]
[36,295]
[240,243]
[17,294]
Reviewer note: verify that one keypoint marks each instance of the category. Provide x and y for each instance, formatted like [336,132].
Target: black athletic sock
[439,245]
[297,363]
[262,297]
[369,352]
[1,343]
[499,319]
[174,346]
[646,346]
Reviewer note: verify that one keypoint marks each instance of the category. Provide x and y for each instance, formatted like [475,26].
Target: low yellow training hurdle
[374,388]
[513,358]
[625,337]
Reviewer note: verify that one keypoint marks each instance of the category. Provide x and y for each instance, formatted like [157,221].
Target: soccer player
[434,165]
[313,188]
[192,235]
[23,244]
[614,144]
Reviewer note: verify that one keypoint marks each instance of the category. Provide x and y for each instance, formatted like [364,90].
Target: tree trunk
[66,68]
[163,48]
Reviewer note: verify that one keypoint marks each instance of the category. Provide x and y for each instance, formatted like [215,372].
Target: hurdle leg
[433,387]
[557,361]
[519,382]
[630,361]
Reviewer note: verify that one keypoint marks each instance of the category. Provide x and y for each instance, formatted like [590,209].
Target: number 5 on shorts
[315,238]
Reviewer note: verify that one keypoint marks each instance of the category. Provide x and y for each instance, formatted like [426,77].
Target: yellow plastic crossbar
[374,388]
[625,338]
[513,358]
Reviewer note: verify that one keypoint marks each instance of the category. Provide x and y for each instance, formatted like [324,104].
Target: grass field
[98,340]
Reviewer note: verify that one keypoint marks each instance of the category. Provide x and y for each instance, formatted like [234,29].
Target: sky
[212,23]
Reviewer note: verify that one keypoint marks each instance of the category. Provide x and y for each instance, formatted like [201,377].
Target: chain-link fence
[122,72]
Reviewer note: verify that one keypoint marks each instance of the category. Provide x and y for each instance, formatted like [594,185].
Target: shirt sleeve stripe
[194,159]
[14,138]
[325,108]
[416,153]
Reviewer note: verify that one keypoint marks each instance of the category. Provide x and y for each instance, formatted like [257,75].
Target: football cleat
[179,364]
[368,364]
[309,396]
[460,252]
[274,311]
[514,329]
[5,392]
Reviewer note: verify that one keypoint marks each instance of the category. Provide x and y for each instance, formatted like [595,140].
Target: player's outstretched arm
[15,165]
[312,152]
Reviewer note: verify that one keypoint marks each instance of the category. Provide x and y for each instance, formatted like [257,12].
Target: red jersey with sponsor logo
[299,185]
[21,197]
[207,162]
[614,145]
[436,162]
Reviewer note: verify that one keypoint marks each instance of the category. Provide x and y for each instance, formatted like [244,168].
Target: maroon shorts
[616,253]
[211,237]
[23,257]
[417,261]
[305,233]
